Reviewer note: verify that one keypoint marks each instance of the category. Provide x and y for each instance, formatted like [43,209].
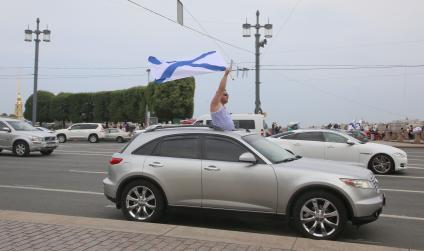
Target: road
[69,183]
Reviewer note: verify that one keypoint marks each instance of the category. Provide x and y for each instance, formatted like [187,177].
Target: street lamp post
[147,113]
[28,38]
[268,34]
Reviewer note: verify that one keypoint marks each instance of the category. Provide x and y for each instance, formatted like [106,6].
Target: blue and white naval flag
[205,63]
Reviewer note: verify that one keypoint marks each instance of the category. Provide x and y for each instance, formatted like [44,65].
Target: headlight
[366,184]
[36,139]
[400,155]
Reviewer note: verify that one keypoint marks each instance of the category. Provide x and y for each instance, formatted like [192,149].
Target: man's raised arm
[216,101]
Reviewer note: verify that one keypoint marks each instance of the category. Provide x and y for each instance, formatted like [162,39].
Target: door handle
[156,164]
[212,168]
[296,144]
[330,147]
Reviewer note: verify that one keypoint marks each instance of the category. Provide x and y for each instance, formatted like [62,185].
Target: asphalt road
[69,183]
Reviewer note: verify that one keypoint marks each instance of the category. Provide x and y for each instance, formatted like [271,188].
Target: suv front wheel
[142,201]
[319,215]
[21,148]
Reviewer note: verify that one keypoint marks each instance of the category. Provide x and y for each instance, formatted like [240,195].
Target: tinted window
[113,130]
[270,150]
[222,149]
[289,135]
[76,127]
[2,125]
[89,126]
[335,138]
[310,136]
[245,124]
[208,122]
[147,148]
[179,147]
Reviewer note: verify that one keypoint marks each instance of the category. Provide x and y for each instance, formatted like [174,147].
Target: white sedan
[338,146]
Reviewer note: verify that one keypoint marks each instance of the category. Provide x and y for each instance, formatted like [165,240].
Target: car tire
[119,139]
[381,164]
[138,207]
[93,138]
[309,215]
[61,138]
[46,152]
[21,148]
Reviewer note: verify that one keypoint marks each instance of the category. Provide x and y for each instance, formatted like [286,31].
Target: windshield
[270,150]
[21,126]
[356,136]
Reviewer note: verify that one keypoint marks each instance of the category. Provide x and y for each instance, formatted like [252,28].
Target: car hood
[36,133]
[343,169]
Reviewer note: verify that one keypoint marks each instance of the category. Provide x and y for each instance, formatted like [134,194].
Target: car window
[199,122]
[21,126]
[113,130]
[222,149]
[179,147]
[146,149]
[209,122]
[89,126]
[244,124]
[76,127]
[289,135]
[310,136]
[2,125]
[334,138]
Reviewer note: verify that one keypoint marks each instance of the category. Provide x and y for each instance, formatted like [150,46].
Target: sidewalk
[399,145]
[36,231]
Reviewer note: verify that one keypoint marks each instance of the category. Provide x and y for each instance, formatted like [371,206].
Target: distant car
[22,138]
[117,135]
[338,146]
[43,129]
[198,167]
[93,132]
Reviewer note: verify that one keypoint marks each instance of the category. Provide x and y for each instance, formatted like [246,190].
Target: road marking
[415,167]
[419,160]
[84,154]
[399,176]
[80,171]
[403,217]
[50,189]
[415,156]
[401,191]
[62,151]
[110,206]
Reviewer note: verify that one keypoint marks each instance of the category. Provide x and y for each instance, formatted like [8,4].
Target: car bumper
[109,189]
[43,146]
[400,163]
[368,210]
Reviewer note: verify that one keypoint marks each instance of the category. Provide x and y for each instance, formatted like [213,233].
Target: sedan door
[228,183]
[338,149]
[309,144]
[176,164]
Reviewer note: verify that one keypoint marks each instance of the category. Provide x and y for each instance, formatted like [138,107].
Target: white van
[252,122]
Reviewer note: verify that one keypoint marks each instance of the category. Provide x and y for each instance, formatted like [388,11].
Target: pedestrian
[221,118]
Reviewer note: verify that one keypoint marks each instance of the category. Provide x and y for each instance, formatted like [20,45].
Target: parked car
[205,168]
[252,122]
[93,132]
[335,145]
[22,138]
[117,135]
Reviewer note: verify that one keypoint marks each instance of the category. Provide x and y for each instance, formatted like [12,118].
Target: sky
[100,45]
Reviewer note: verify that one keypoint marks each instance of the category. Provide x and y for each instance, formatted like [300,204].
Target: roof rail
[159,126]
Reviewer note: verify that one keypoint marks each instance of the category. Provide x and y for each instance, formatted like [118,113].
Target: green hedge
[167,101]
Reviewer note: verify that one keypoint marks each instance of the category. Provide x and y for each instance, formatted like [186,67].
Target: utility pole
[147,113]
[46,38]
[268,34]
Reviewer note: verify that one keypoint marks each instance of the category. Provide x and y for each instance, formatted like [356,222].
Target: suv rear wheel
[21,148]
[120,139]
[93,138]
[319,215]
[142,201]
[61,138]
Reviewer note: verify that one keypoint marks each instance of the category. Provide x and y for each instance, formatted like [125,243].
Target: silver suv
[207,168]
[22,138]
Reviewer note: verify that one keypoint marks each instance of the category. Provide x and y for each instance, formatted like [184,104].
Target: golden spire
[19,104]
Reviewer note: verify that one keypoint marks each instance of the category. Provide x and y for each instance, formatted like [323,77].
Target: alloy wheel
[140,203]
[20,149]
[319,217]
[381,164]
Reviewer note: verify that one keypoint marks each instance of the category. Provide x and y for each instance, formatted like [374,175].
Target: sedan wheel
[93,138]
[142,201]
[381,164]
[320,215]
[61,138]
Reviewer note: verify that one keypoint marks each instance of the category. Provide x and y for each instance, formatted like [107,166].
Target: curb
[176,231]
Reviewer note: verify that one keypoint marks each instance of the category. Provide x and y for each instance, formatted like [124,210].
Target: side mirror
[5,129]
[350,142]
[248,157]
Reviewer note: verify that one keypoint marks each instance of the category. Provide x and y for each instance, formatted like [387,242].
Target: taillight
[262,132]
[115,161]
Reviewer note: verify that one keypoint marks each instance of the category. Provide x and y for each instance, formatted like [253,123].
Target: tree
[59,108]
[43,107]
